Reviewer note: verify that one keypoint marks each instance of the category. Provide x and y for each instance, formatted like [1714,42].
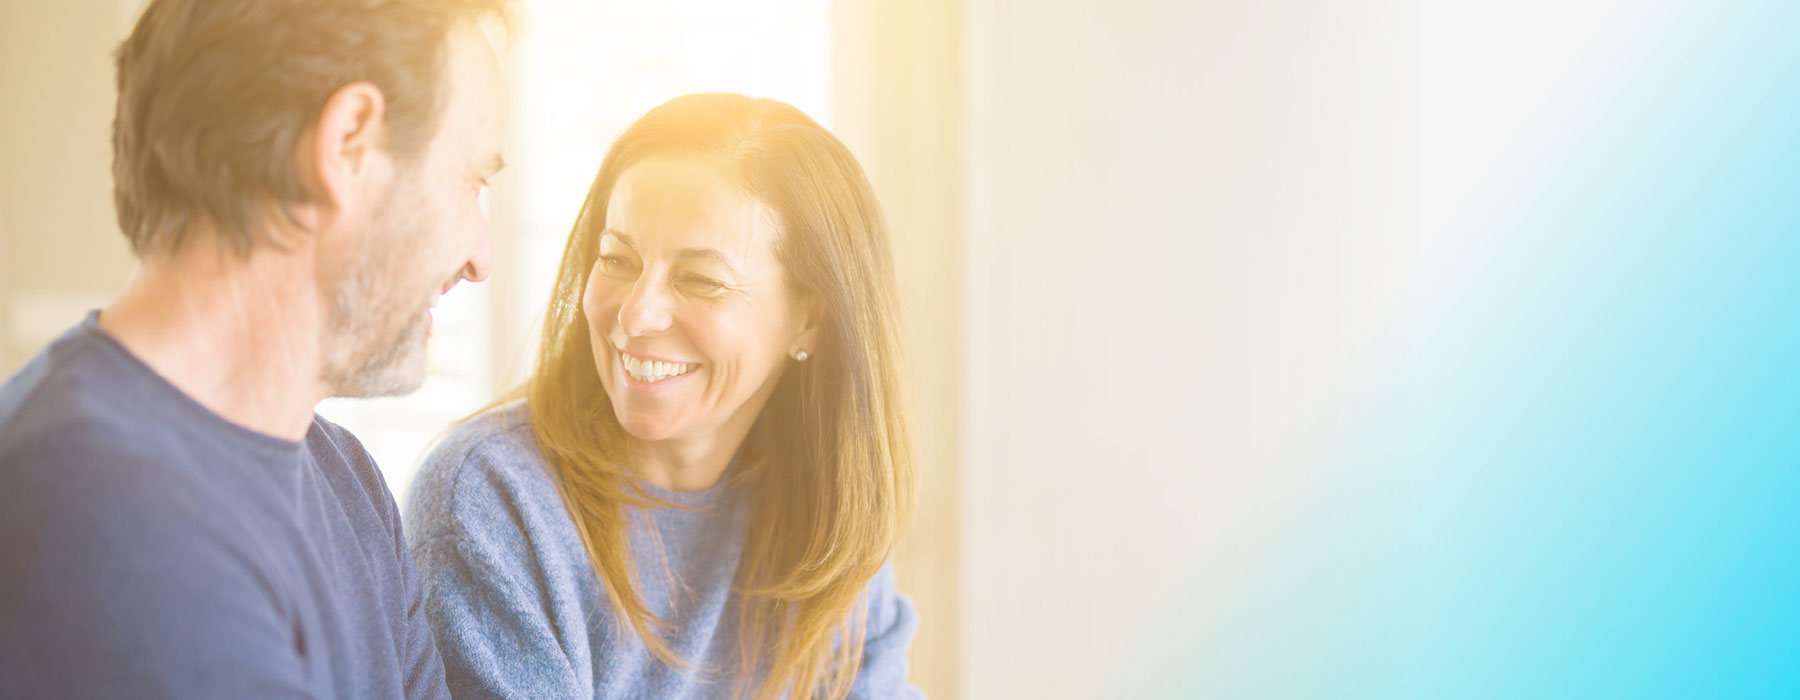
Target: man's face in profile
[430,233]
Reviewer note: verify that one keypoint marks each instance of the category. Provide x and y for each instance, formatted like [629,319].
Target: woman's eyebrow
[615,233]
[707,253]
[684,253]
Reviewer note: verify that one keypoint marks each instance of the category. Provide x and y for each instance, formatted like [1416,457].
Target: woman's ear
[812,316]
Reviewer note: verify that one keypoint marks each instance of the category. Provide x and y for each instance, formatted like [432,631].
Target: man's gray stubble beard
[372,347]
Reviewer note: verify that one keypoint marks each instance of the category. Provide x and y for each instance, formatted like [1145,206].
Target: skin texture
[429,234]
[687,273]
[339,307]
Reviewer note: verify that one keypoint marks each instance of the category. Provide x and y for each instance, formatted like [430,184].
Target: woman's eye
[615,263]
[703,285]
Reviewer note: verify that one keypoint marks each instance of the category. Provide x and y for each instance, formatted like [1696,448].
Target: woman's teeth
[648,371]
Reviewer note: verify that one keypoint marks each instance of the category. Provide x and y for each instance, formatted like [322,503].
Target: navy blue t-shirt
[151,549]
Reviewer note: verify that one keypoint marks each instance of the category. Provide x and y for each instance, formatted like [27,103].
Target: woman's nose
[646,310]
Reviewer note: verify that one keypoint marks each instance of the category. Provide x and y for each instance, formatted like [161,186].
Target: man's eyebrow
[683,253]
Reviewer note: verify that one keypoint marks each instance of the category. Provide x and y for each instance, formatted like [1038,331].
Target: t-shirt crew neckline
[263,444]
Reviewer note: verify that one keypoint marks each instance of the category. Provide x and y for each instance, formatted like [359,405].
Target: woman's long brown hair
[830,459]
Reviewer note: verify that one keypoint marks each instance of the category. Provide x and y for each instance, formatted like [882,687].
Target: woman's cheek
[592,302]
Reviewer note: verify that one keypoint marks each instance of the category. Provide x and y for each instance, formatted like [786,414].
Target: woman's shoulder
[503,432]
[485,522]
[488,463]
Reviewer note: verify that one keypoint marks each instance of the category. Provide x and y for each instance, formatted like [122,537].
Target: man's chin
[393,385]
[398,373]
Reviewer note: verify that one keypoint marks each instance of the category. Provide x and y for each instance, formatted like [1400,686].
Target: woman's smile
[644,374]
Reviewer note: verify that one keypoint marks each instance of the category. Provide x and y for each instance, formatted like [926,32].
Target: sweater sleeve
[485,595]
[887,636]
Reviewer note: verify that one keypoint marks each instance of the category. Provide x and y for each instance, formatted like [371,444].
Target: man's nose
[481,259]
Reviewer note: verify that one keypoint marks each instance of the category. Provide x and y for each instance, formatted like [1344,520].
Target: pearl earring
[801,356]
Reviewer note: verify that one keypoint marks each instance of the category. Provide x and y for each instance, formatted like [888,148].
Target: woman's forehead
[685,205]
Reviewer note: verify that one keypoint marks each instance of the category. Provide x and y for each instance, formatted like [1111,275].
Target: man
[299,180]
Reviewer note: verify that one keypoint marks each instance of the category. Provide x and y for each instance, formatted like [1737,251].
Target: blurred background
[1261,348]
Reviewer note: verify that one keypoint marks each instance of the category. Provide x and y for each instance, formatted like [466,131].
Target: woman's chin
[647,428]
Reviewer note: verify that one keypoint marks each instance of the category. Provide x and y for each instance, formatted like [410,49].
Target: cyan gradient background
[1571,467]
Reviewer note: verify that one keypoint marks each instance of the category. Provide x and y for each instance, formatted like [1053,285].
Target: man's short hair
[214,95]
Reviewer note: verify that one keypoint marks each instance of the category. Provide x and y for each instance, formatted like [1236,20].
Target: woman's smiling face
[692,317]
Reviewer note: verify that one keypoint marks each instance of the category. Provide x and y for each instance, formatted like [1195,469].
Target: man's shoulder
[71,386]
[111,552]
[84,499]
[355,481]
[80,444]
[72,418]
[98,451]
[335,447]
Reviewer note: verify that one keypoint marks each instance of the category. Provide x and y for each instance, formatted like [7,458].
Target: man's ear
[337,156]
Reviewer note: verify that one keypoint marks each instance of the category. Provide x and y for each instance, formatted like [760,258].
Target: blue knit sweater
[519,612]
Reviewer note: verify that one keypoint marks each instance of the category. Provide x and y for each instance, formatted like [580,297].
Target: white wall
[1180,219]
[60,249]
[899,73]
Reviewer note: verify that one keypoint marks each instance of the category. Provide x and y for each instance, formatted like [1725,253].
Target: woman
[698,492]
